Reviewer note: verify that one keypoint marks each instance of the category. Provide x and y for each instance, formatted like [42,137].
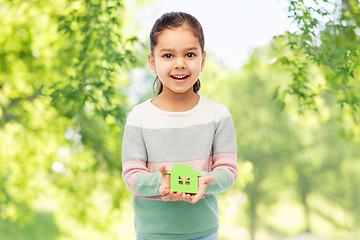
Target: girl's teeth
[179,77]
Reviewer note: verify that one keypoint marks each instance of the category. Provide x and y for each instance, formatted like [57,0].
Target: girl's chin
[178,89]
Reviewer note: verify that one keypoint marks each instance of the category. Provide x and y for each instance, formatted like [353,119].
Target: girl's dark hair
[175,20]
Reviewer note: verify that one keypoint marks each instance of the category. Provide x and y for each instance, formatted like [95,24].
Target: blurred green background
[70,71]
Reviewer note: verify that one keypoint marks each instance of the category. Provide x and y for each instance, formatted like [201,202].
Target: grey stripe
[179,144]
[133,147]
[225,138]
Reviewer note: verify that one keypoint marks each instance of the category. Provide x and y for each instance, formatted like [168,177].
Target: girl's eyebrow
[166,50]
[191,49]
[170,49]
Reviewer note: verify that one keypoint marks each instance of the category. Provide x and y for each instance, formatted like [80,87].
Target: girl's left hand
[203,182]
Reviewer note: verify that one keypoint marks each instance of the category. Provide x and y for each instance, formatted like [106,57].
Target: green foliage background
[63,71]
[65,76]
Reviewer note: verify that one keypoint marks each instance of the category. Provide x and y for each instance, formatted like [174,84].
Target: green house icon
[183,178]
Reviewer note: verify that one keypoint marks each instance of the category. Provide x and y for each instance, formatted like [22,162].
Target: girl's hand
[203,182]
[165,184]
[168,195]
[164,189]
[187,197]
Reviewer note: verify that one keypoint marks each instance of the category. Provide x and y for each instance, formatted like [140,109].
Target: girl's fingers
[207,179]
[177,196]
[199,194]
[165,185]
[167,180]
[187,197]
[163,170]
[203,182]
[210,179]
[172,196]
[167,197]
[164,191]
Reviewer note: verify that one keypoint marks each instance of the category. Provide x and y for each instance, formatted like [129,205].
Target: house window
[187,180]
[181,182]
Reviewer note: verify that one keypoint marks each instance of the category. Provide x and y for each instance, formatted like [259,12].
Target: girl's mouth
[179,78]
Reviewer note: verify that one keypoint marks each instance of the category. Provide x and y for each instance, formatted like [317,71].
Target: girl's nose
[180,63]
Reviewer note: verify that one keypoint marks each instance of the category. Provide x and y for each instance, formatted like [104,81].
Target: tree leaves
[335,47]
[63,66]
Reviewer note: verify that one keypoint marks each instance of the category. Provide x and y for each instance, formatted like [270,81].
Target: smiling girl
[178,126]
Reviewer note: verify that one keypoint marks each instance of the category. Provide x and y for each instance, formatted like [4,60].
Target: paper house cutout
[183,178]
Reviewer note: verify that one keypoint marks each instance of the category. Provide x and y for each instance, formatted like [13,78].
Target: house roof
[183,169]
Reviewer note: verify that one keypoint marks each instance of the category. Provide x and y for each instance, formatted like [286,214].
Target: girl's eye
[167,56]
[190,55]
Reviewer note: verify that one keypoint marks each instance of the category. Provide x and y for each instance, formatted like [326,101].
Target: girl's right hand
[164,189]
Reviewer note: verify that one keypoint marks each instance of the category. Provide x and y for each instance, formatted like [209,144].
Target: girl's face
[177,59]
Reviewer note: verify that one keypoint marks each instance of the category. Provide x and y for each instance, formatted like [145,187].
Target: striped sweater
[203,138]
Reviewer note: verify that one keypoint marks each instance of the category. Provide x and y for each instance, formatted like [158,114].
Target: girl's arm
[139,180]
[136,175]
[224,157]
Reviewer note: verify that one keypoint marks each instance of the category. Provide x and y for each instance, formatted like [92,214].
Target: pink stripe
[227,162]
[131,169]
[197,165]
[158,198]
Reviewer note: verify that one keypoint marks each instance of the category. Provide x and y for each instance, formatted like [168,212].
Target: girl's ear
[203,60]
[151,61]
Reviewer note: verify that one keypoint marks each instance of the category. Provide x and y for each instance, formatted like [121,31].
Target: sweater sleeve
[136,174]
[224,168]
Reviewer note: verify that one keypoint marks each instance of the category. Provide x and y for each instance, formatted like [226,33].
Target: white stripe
[146,115]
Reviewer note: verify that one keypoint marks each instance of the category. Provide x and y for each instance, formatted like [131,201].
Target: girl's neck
[176,102]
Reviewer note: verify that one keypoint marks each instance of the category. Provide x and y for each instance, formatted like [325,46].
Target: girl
[178,126]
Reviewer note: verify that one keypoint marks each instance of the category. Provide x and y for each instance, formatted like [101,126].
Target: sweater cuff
[148,184]
[221,183]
